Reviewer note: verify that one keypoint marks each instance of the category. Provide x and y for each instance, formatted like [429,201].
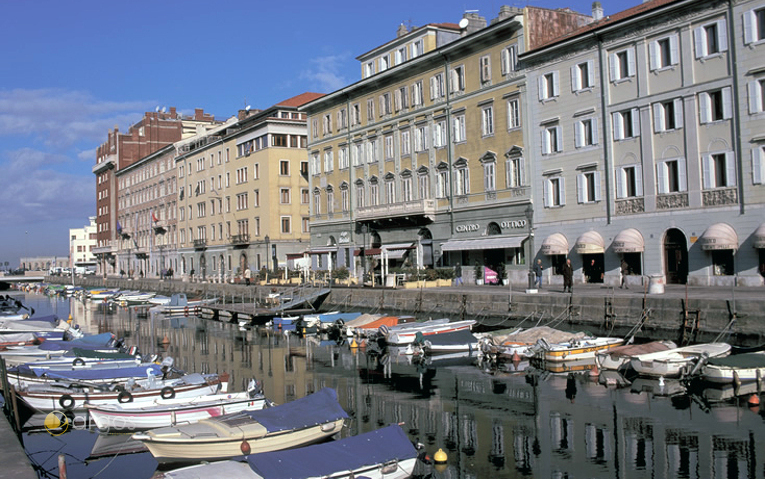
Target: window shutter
[707,172]
[678,102]
[562,190]
[504,61]
[594,131]
[545,142]
[753,94]
[635,113]
[578,134]
[613,66]
[673,53]
[590,73]
[682,175]
[618,126]
[661,177]
[547,193]
[596,179]
[722,35]
[757,163]
[485,69]
[397,99]
[730,170]
[638,180]
[575,79]
[630,62]
[541,88]
[621,178]
[705,107]
[726,98]
[521,180]
[558,139]
[750,26]
[699,43]
[581,185]
[653,53]
[432,87]
[556,78]
[658,118]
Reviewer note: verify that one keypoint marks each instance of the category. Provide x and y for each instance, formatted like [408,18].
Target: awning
[368,252]
[493,242]
[590,243]
[328,249]
[556,243]
[759,237]
[628,241]
[719,236]
[398,246]
[396,253]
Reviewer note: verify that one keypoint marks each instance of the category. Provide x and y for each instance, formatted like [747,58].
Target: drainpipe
[733,65]
[449,154]
[604,119]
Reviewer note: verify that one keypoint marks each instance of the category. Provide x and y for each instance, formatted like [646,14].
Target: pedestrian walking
[625,269]
[458,275]
[247,275]
[568,277]
[538,273]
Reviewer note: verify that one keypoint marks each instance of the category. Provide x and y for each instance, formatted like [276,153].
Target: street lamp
[268,252]
[529,213]
[364,231]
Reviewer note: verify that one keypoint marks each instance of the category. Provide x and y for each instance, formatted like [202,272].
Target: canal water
[516,422]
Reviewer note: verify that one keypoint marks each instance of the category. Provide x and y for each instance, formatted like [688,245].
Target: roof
[300,100]
[610,20]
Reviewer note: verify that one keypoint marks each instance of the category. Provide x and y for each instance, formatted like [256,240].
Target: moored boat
[618,358]
[576,349]
[735,368]
[453,342]
[405,334]
[677,362]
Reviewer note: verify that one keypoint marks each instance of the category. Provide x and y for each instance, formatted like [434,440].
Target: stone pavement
[14,461]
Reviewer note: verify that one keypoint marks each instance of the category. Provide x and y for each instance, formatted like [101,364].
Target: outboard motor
[166,366]
[254,388]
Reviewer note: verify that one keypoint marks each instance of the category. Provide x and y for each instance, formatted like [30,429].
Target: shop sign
[345,238]
[467,228]
[514,224]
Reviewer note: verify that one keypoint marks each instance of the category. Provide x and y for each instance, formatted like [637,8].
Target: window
[286,224]
[551,140]
[437,86]
[509,59]
[241,201]
[442,183]
[400,99]
[358,154]
[342,158]
[459,128]
[315,166]
[388,147]
[462,180]
[582,76]
[330,200]
[372,151]
[548,86]
[715,105]
[390,192]
[284,168]
[420,138]
[439,134]
[370,110]
[400,55]
[356,114]
[304,199]
[328,161]
[622,64]
[342,118]
[285,196]
[305,225]
[423,185]
[668,115]
[417,48]
[710,39]
[385,104]
[406,143]
[663,52]
[514,174]
[758,165]
[316,202]
[303,168]
[485,65]
[588,187]
[344,198]
[554,192]
[586,132]
[384,63]
[513,114]
[629,181]
[754,26]
[359,195]
[417,97]
[756,93]
[487,121]
[406,188]
[369,69]
[314,128]
[490,176]
[374,194]
[457,80]
[671,176]
[241,175]
[718,170]
[256,198]
[626,124]
[327,124]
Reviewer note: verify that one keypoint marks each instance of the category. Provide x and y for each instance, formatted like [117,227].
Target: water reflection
[515,422]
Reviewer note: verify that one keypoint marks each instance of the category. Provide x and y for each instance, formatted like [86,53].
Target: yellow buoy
[440,457]
[354,344]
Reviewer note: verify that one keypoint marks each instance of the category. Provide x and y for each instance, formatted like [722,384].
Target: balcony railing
[241,239]
[200,243]
[407,208]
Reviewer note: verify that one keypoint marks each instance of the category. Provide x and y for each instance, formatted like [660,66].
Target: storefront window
[633,262]
[722,262]
[557,261]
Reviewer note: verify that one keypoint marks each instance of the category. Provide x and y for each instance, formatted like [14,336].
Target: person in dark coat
[568,277]
[538,273]
[458,275]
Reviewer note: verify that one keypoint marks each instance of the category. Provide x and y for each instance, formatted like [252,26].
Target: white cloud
[325,72]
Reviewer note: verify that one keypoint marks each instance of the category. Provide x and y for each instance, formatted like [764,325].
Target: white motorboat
[618,358]
[734,369]
[407,333]
[576,349]
[677,362]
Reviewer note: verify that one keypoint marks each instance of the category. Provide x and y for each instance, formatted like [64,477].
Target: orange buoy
[754,400]
[245,447]
[594,371]
[165,340]
[516,358]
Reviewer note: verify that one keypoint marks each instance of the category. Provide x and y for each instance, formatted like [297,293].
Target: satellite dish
[247,108]
[464,23]
[164,109]
[157,109]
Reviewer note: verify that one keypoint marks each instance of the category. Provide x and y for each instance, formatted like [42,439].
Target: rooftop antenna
[157,109]
[164,109]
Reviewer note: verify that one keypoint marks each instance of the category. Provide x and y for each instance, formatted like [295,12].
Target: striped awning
[590,243]
[719,236]
[493,242]
[556,243]
[628,241]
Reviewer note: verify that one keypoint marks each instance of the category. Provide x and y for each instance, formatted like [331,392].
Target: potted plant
[478,271]
[341,275]
[501,273]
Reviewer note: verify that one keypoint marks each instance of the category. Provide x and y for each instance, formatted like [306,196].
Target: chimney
[401,31]
[475,22]
[597,11]
[199,114]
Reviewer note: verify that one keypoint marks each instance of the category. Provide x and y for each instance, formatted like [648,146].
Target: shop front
[720,242]
[591,247]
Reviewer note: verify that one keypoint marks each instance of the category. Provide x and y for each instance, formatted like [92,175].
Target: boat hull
[582,349]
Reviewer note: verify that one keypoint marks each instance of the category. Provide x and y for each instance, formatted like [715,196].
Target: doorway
[593,267]
[675,257]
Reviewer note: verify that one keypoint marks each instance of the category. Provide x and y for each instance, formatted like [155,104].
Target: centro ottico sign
[59,422]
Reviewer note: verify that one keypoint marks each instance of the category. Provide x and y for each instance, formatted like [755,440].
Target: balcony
[420,207]
[241,239]
[200,244]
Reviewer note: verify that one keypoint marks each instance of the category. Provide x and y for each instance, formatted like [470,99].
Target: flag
[154,216]
[119,227]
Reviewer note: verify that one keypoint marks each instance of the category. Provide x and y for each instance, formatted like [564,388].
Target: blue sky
[71,70]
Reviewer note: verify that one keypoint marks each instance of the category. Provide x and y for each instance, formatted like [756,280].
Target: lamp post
[268,253]
[364,230]
[529,213]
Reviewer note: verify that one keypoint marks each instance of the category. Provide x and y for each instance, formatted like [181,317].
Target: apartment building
[422,162]
[645,129]
[243,193]
[81,244]
[154,131]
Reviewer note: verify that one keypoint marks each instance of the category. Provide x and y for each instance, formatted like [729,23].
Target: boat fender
[245,447]
[124,396]
[78,362]
[186,311]
[66,401]
[167,392]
